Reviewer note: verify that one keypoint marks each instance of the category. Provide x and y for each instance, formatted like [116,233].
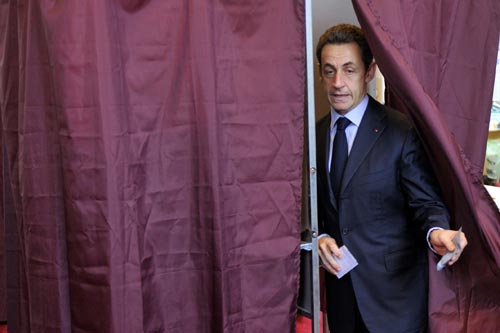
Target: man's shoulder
[393,117]
[324,118]
[398,117]
[324,121]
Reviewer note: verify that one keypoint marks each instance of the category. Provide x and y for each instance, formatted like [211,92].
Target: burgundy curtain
[154,153]
[3,263]
[438,58]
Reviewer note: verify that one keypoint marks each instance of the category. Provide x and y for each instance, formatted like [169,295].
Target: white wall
[496,90]
[330,12]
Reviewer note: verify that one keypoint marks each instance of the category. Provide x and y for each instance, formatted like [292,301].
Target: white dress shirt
[355,116]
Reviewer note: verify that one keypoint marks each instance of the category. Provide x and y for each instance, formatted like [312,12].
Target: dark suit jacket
[388,201]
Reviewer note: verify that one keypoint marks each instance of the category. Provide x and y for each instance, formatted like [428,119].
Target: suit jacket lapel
[371,127]
[323,155]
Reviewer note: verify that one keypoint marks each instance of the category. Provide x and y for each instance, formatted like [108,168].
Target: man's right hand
[328,250]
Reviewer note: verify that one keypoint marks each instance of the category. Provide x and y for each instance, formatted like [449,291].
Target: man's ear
[370,73]
[320,72]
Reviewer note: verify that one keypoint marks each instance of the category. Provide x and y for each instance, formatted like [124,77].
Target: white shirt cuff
[429,235]
[323,235]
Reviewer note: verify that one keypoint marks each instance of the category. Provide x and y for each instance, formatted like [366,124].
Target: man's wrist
[429,238]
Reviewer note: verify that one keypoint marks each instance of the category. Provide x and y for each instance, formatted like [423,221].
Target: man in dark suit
[383,203]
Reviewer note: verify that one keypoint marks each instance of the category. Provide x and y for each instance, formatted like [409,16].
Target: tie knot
[342,123]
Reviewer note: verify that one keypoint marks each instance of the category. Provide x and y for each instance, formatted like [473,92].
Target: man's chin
[341,107]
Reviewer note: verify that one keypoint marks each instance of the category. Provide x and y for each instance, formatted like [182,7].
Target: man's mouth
[338,96]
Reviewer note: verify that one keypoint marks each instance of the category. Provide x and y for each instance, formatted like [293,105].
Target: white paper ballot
[306,246]
[448,255]
[347,262]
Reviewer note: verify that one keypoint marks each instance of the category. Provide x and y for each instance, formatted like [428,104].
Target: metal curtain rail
[311,120]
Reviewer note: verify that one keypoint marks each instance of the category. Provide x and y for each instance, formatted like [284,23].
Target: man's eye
[328,73]
[350,71]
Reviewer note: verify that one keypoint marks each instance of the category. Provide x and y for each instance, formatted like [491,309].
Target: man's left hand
[442,241]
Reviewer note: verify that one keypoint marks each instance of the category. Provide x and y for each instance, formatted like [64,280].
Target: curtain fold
[3,237]
[438,58]
[3,241]
[154,150]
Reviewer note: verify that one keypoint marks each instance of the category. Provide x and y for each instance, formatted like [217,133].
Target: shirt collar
[355,115]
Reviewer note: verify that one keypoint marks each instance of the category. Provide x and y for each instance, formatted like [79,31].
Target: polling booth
[158,162]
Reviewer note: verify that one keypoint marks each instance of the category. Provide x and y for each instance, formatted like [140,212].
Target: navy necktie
[339,155]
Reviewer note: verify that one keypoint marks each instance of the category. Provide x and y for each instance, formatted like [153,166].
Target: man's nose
[337,80]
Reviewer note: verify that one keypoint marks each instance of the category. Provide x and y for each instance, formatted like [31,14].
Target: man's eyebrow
[349,63]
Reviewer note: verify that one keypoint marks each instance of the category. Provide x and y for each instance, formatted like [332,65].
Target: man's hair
[344,34]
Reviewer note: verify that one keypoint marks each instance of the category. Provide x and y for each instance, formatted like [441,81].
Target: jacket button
[345,231]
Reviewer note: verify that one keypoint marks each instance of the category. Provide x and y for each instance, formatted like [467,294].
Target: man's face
[344,76]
